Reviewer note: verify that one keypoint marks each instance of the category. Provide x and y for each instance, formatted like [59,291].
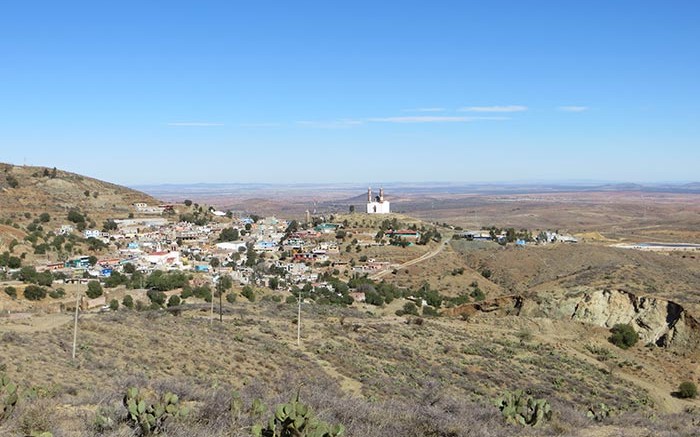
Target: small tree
[94,289]
[623,335]
[34,292]
[11,291]
[114,304]
[248,293]
[128,301]
[174,301]
[687,390]
[156,297]
[408,308]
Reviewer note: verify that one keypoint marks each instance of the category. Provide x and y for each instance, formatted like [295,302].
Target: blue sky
[226,91]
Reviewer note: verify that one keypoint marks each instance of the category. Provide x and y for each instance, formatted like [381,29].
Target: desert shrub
[156,297]
[57,293]
[114,304]
[34,292]
[11,291]
[94,289]
[687,390]
[231,298]
[128,301]
[248,293]
[408,308]
[623,335]
[37,418]
[429,311]
[44,278]
[203,292]
[186,292]
[174,301]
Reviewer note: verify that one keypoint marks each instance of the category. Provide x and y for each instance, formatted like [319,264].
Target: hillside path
[420,259]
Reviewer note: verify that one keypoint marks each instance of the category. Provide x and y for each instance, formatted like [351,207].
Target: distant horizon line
[551,182]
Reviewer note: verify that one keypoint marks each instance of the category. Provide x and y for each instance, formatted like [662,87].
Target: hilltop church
[377,205]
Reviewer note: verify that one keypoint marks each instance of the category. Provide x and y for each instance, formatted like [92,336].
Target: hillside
[377,375]
[36,190]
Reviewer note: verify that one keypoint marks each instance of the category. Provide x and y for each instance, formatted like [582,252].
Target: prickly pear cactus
[520,408]
[599,413]
[295,419]
[149,417]
[8,397]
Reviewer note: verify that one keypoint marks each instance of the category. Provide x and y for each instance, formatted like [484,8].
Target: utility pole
[75,325]
[221,294]
[299,321]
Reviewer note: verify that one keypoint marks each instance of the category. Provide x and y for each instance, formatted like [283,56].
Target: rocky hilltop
[34,190]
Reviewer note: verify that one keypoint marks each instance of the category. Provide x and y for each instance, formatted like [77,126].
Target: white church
[377,205]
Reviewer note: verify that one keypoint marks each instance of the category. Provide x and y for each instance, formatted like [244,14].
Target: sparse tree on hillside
[94,289]
[128,301]
[623,335]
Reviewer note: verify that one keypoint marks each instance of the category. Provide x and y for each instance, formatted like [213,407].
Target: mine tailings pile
[658,321]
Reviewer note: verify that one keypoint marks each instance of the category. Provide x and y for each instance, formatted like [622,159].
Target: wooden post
[75,325]
[221,294]
[299,321]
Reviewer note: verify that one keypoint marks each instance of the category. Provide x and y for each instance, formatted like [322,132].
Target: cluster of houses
[156,243]
[544,237]
[266,248]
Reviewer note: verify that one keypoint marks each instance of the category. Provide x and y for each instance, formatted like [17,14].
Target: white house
[92,233]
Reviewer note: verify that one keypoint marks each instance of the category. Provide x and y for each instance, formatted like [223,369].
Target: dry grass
[438,378]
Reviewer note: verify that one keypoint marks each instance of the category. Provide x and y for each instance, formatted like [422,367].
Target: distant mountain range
[319,190]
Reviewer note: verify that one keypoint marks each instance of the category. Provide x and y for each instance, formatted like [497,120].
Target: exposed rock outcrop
[659,321]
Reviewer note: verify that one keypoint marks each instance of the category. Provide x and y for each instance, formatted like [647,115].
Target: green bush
[231,298]
[128,301]
[57,294]
[623,335]
[408,308]
[174,301]
[429,311]
[94,289]
[156,297]
[34,292]
[248,293]
[687,390]
[114,304]
[11,291]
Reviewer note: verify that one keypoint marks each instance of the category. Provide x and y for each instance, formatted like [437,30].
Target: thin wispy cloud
[507,108]
[432,119]
[331,124]
[424,110]
[195,124]
[573,108]
[264,124]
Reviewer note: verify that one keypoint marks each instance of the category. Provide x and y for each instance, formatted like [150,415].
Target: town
[161,255]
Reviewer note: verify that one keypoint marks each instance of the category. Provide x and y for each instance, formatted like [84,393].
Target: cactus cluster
[295,419]
[149,416]
[8,397]
[599,413]
[520,408]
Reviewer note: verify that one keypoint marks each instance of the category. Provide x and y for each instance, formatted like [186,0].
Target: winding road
[420,259]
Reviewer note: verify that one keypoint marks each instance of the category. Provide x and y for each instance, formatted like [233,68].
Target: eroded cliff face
[656,320]
[659,321]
